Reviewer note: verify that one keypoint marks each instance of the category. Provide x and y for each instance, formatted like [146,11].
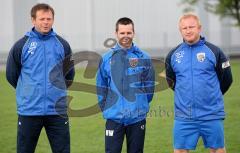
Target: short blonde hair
[189,15]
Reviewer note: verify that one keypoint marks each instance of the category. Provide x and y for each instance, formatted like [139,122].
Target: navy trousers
[114,137]
[29,129]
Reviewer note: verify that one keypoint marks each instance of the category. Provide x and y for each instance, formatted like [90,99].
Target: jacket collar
[36,34]
[133,48]
[199,43]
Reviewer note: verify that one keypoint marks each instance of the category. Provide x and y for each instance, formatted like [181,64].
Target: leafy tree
[223,8]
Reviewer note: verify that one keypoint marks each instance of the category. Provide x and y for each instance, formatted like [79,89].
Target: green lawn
[87,133]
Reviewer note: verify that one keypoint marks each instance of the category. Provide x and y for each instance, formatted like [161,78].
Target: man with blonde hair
[200,74]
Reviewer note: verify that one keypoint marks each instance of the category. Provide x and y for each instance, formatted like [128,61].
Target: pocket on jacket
[29,91]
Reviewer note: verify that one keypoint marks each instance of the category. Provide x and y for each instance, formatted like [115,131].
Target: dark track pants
[114,137]
[29,129]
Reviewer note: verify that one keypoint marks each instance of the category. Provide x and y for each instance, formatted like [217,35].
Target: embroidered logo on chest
[32,48]
[200,57]
[179,56]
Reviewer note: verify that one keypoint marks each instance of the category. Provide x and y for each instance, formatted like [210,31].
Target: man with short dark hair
[35,68]
[125,86]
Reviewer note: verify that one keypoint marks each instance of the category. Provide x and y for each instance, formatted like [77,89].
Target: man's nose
[188,29]
[45,21]
[125,35]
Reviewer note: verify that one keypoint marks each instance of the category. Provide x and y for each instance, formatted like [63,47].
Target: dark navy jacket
[199,74]
[125,83]
[35,69]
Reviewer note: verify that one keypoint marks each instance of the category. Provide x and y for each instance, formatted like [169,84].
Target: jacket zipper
[191,106]
[45,79]
[123,76]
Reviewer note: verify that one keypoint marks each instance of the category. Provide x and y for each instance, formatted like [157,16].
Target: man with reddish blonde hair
[200,74]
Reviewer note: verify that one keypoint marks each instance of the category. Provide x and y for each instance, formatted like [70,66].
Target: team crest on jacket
[133,62]
[201,57]
[179,56]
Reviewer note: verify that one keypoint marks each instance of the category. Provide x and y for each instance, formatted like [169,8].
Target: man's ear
[200,28]
[33,20]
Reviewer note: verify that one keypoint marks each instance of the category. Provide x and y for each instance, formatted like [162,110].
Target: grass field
[87,133]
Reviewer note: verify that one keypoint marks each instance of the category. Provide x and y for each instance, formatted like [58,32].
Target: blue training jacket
[199,74]
[125,84]
[35,69]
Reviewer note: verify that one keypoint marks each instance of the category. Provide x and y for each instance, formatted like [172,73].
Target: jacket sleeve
[68,62]
[14,65]
[224,73]
[170,74]
[101,85]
